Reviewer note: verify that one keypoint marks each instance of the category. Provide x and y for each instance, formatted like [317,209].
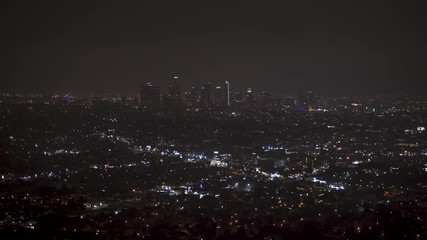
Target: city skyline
[335,48]
[213,120]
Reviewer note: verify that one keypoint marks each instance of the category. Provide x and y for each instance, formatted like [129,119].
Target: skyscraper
[172,102]
[218,96]
[149,95]
[194,95]
[238,99]
[227,93]
[191,98]
[205,94]
[250,99]
[174,89]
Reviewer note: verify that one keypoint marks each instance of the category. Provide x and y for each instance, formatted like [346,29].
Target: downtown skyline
[335,48]
[213,120]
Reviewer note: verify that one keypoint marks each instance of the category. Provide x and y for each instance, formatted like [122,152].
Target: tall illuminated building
[238,99]
[205,94]
[188,99]
[194,95]
[218,95]
[172,102]
[174,89]
[149,95]
[250,99]
[191,98]
[227,93]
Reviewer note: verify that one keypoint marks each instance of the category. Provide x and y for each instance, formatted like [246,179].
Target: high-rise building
[218,96]
[227,93]
[194,95]
[205,94]
[308,100]
[191,98]
[238,99]
[172,102]
[188,100]
[149,95]
[174,89]
[250,99]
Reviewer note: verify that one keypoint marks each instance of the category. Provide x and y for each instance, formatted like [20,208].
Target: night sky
[332,47]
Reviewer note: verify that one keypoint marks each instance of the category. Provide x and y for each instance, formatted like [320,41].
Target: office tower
[188,100]
[172,102]
[238,99]
[250,99]
[149,95]
[218,96]
[205,94]
[194,95]
[227,93]
[191,97]
[174,89]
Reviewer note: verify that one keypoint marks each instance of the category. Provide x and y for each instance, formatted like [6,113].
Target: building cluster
[152,98]
[221,97]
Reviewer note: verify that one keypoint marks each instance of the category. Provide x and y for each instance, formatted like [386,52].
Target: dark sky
[333,47]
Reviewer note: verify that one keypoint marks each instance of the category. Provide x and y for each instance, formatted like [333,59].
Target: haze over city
[333,47]
[213,120]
